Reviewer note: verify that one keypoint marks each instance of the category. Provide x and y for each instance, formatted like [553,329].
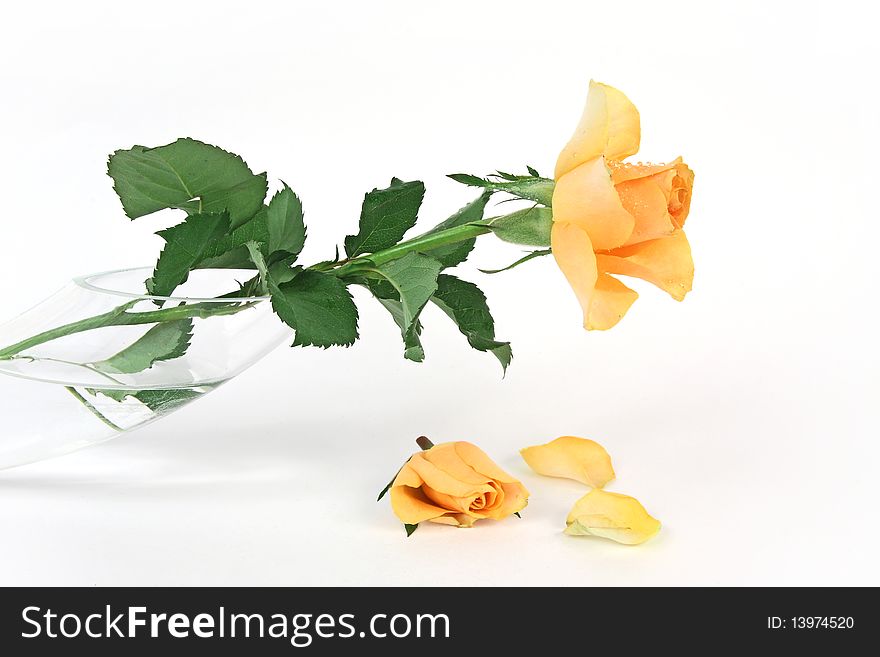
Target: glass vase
[101,358]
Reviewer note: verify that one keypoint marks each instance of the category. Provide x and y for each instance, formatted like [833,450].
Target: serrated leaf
[451,255]
[414,278]
[386,215]
[185,245]
[466,305]
[186,174]
[165,341]
[388,297]
[317,306]
[230,252]
[284,220]
[528,227]
[158,401]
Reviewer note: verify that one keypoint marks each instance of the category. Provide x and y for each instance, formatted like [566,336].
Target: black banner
[415,621]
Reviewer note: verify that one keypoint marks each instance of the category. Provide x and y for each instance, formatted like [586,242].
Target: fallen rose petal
[571,457]
[610,515]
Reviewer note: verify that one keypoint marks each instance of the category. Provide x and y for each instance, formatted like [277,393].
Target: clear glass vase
[101,358]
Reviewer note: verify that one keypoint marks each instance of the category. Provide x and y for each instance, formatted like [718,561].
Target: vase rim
[87,283]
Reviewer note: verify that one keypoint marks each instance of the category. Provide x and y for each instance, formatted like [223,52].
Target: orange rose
[454,484]
[613,217]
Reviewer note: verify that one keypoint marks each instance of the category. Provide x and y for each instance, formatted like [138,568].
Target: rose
[454,484]
[613,217]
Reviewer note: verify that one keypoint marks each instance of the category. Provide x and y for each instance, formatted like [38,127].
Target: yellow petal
[516,498]
[647,200]
[586,197]
[682,189]
[623,171]
[665,262]
[609,126]
[447,457]
[571,457]
[611,299]
[611,515]
[412,506]
[573,253]
[480,462]
[456,520]
[435,478]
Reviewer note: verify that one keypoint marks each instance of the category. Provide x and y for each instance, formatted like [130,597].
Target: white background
[744,418]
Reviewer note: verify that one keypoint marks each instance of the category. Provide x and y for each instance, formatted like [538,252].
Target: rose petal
[571,457]
[412,506]
[434,477]
[574,255]
[665,262]
[611,300]
[611,515]
[647,200]
[516,498]
[609,126]
[480,461]
[682,189]
[624,171]
[586,197]
[447,457]
[456,520]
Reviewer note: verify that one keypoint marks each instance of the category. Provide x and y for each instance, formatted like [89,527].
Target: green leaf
[389,298]
[466,305]
[260,263]
[410,529]
[158,401]
[414,277]
[316,305]
[385,216]
[468,179]
[164,341]
[230,252]
[533,172]
[284,220]
[452,254]
[186,174]
[539,190]
[185,245]
[412,344]
[529,227]
[526,258]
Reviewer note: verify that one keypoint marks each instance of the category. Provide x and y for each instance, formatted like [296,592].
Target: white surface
[745,418]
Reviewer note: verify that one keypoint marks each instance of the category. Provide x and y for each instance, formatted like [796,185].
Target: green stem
[85,402]
[119,317]
[422,243]
[86,366]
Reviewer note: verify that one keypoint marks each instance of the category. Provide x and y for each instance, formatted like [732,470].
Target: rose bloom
[613,217]
[455,484]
